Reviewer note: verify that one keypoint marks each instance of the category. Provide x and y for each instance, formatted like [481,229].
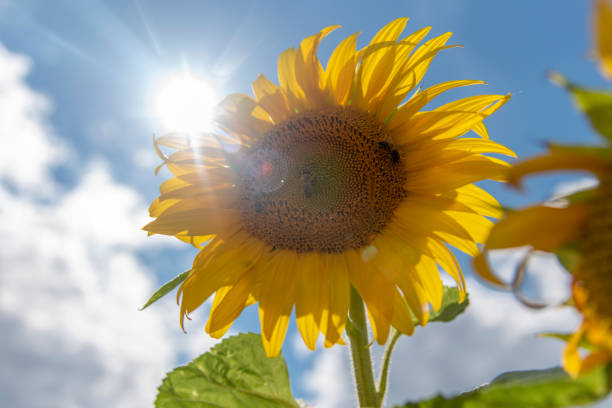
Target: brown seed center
[324,180]
[595,271]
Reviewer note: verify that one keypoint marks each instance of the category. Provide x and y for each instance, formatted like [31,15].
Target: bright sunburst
[185,103]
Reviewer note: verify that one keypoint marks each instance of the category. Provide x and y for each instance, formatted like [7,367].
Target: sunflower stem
[357,333]
[384,370]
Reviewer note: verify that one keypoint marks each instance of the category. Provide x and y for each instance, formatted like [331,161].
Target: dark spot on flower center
[321,181]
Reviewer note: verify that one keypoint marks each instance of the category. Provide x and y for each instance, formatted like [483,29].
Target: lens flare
[185,103]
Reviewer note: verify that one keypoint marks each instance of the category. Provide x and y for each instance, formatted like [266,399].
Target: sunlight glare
[184,103]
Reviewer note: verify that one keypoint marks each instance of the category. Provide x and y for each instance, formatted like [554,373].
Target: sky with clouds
[77,81]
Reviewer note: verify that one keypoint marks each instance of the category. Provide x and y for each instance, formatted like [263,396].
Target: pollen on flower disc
[321,181]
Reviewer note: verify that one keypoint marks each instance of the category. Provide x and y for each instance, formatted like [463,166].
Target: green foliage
[235,373]
[550,388]
[584,343]
[165,289]
[569,256]
[451,307]
[596,104]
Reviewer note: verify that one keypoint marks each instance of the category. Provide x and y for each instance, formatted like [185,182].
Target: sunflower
[585,225]
[583,228]
[328,181]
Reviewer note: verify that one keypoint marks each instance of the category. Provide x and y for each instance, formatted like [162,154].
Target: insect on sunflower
[333,183]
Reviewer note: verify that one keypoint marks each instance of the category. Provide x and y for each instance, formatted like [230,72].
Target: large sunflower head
[330,180]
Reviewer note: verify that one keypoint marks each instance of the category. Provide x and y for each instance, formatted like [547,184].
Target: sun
[185,103]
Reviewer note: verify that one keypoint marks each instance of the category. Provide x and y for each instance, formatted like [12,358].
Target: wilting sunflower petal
[335,182]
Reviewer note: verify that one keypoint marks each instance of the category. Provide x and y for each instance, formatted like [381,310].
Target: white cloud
[71,282]
[329,379]
[28,146]
[571,187]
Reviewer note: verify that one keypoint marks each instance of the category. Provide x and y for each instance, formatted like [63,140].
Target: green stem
[357,332]
[384,370]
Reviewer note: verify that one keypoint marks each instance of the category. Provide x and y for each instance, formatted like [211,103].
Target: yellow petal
[421,99]
[409,216]
[571,358]
[574,364]
[396,262]
[375,291]
[440,179]
[210,198]
[446,259]
[339,292]
[411,73]
[477,199]
[272,99]
[603,35]
[402,319]
[228,305]
[311,295]
[372,75]
[448,121]
[539,227]
[481,130]
[376,62]
[429,153]
[276,300]
[308,70]
[391,31]
[482,268]
[559,160]
[240,115]
[341,68]
[288,80]
[195,222]
[216,265]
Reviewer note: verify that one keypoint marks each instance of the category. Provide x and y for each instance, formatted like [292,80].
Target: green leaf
[550,388]
[166,287]
[451,307]
[584,343]
[235,373]
[596,104]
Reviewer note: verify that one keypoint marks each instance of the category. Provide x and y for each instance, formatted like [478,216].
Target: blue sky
[77,82]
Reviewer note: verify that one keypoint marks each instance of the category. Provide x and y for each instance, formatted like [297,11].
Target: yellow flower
[332,183]
[602,19]
[585,223]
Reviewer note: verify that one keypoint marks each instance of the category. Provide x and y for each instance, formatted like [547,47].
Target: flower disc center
[324,180]
[595,272]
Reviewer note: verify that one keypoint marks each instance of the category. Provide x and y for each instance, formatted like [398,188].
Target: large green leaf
[451,307]
[550,388]
[235,373]
[165,289]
